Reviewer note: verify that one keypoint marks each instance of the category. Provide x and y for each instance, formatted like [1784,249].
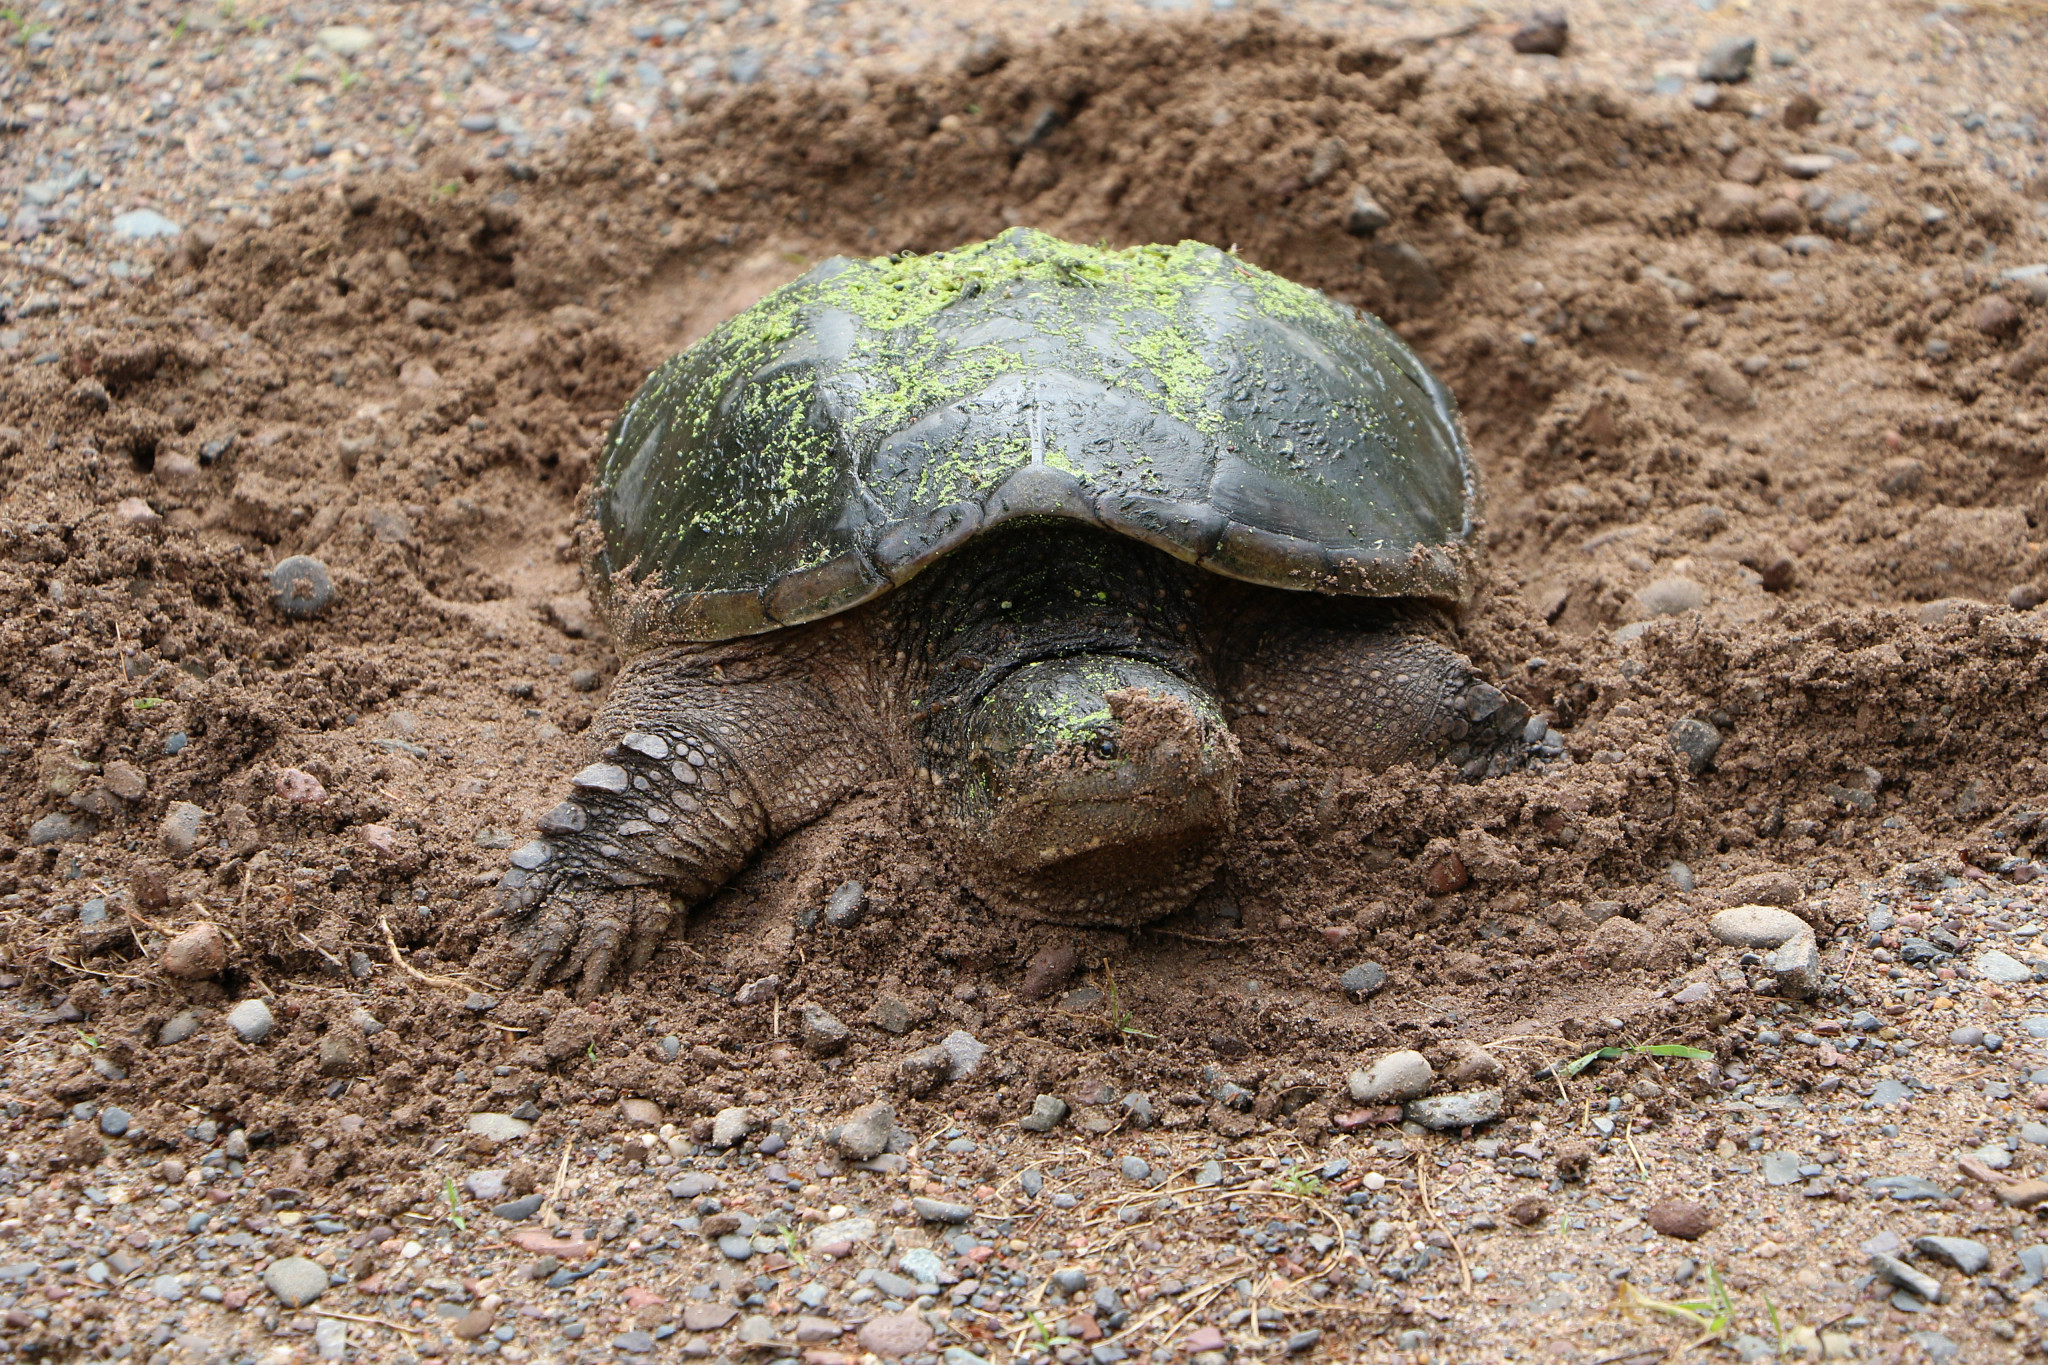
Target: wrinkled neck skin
[1069,740]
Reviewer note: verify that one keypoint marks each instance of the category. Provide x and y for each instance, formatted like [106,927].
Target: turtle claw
[576,929]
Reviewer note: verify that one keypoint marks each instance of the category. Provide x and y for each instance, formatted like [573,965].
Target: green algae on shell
[835,439]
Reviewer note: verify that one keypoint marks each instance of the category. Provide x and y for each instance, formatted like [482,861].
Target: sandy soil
[1759,411]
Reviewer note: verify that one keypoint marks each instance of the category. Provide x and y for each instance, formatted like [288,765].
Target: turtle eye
[1105,748]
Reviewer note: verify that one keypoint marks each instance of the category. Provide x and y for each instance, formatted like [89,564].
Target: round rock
[1685,1219]
[301,587]
[1394,1079]
[1757,926]
[893,1336]
[296,1280]
[196,954]
[252,1021]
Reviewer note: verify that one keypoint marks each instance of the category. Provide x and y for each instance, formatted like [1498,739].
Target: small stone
[58,828]
[1135,1168]
[1904,1188]
[1995,316]
[177,1028]
[114,1121]
[251,1020]
[1757,926]
[843,1232]
[893,1336]
[1672,596]
[1070,1280]
[758,991]
[1796,965]
[1545,34]
[1807,166]
[922,1072]
[301,587]
[498,1127]
[732,1126]
[641,1113]
[1047,1113]
[1049,969]
[1530,1210]
[1465,1109]
[518,1210]
[1697,741]
[299,787]
[1684,1219]
[823,1035]
[1470,1064]
[1781,1168]
[2002,967]
[1364,216]
[1302,1342]
[2024,597]
[180,828]
[1897,1273]
[585,680]
[346,40]
[1728,61]
[1393,1079]
[296,1280]
[1363,980]
[1972,1258]
[343,1052]
[963,1054]
[330,1337]
[847,906]
[865,1134]
[708,1317]
[486,1187]
[143,225]
[940,1210]
[734,1247]
[1969,1035]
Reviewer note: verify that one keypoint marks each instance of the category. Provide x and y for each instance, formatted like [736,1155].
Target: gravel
[252,1021]
[1393,1079]
[295,1280]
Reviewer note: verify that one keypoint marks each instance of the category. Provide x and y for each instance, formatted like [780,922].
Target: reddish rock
[1446,875]
[707,1317]
[1049,969]
[196,954]
[299,787]
[1996,317]
[1530,1210]
[1684,1219]
[893,1336]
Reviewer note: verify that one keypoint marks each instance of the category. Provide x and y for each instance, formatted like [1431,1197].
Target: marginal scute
[845,433]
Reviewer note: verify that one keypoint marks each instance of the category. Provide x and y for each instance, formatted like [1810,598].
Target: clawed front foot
[569,925]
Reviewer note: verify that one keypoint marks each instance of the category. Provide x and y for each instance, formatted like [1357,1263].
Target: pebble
[865,1133]
[1465,1109]
[1393,1079]
[1685,1219]
[1545,34]
[1969,1035]
[299,787]
[2001,967]
[893,1336]
[1697,741]
[732,1126]
[177,1028]
[296,1280]
[1972,1258]
[58,828]
[180,827]
[346,40]
[144,225]
[114,1121]
[1757,926]
[520,1209]
[1897,1273]
[963,1054]
[1728,61]
[1364,216]
[1672,596]
[847,906]
[1047,1113]
[1135,1168]
[330,1338]
[301,587]
[1070,1280]
[498,1127]
[1363,980]
[645,1113]
[823,1034]
[1807,166]
[940,1210]
[252,1021]
[196,953]
[846,1231]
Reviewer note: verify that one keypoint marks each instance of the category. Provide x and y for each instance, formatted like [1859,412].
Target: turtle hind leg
[693,776]
[1374,698]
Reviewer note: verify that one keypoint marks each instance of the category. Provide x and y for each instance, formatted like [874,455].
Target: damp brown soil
[1764,457]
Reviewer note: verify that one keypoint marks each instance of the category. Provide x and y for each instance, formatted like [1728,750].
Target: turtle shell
[859,423]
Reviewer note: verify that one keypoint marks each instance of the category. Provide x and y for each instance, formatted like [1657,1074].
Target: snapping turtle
[1031,526]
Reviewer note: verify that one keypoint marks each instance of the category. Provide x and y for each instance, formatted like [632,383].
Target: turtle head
[1094,787]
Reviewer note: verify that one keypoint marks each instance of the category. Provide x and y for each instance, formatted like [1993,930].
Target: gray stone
[301,588]
[963,1053]
[735,1247]
[1070,1280]
[330,1338]
[518,1210]
[922,1263]
[1938,1348]
[1757,926]
[1135,1168]
[1671,597]
[144,225]
[1807,165]
[114,1121]
[847,906]
[498,1127]
[346,40]
[865,1134]
[1047,1113]
[1728,61]
[1900,1275]
[169,1288]
[1969,1035]
[1972,1258]
[1697,742]
[845,1230]
[1904,1188]
[485,1186]
[252,1021]
[296,1280]
[43,193]
[1364,216]
[922,1071]
[180,828]
[1393,1079]
[1363,980]
[59,828]
[823,1034]
[1781,1168]
[2002,967]
[2035,1133]
[177,1028]
[1465,1109]
[1796,964]
[730,1127]
[940,1210]
[893,1336]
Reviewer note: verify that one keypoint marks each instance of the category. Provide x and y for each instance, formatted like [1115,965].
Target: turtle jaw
[1099,789]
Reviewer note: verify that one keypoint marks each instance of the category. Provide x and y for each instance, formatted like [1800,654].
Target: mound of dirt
[1762,444]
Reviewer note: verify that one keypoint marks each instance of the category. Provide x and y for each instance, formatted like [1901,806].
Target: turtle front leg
[695,770]
[1374,698]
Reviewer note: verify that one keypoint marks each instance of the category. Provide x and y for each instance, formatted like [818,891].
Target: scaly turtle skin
[1033,526]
